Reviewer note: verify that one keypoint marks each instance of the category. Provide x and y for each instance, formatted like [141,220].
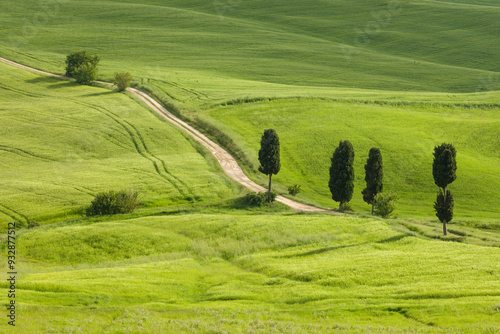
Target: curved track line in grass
[85,191]
[140,146]
[13,214]
[23,153]
[198,94]
[227,162]
[8,214]
[162,162]
[18,91]
[405,314]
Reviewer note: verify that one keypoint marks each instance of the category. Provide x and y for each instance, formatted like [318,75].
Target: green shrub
[122,80]
[294,190]
[385,203]
[33,224]
[253,199]
[113,202]
[259,199]
[85,73]
[346,207]
[273,196]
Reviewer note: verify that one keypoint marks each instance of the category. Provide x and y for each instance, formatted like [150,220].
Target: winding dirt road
[227,162]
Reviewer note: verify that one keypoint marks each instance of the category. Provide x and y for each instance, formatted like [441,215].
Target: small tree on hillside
[444,172]
[122,80]
[342,173]
[78,58]
[269,156]
[385,203]
[373,176]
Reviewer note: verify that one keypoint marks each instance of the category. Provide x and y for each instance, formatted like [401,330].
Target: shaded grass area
[61,144]
[253,272]
[310,130]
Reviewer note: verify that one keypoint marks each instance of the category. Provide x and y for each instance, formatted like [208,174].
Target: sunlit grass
[61,143]
[262,273]
[310,130]
[195,53]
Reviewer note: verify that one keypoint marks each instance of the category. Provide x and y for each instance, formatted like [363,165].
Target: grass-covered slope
[61,143]
[202,50]
[201,54]
[208,273]
[311,130]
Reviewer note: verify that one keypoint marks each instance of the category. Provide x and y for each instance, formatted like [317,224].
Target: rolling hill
[197,51]
[429,57]
[261,273]
[61,143]
[403,75]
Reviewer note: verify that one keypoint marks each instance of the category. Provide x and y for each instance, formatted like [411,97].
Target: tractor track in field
[13,214]
[142,149]
[21,92]
[23,153]
[227,162]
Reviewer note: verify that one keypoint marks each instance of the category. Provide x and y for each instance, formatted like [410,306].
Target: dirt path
[227,162]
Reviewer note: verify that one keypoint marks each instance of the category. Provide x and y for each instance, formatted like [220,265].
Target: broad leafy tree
[373,176]
[342,173]
[444,172]
[269,156]
[82,66]
[85,74]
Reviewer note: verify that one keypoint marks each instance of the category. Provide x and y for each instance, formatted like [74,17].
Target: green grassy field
[426,56]
[252,273]
[61,143]
[311,130]
[401,75]
[199,52]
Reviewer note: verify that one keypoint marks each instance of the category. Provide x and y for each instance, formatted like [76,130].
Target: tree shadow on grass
[393,239]
[100,93]
[63,84]
[52,83]
[323,250]
[44,79]
[328,249]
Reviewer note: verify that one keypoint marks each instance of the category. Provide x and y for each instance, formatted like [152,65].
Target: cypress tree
[373,176]
[445,166]
[444,170]
[342,173]
[269,156]
[444,208]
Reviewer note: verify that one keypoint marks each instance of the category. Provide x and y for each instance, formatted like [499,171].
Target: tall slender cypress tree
[444,170]
[269,156]
[374,175]
[342,173]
